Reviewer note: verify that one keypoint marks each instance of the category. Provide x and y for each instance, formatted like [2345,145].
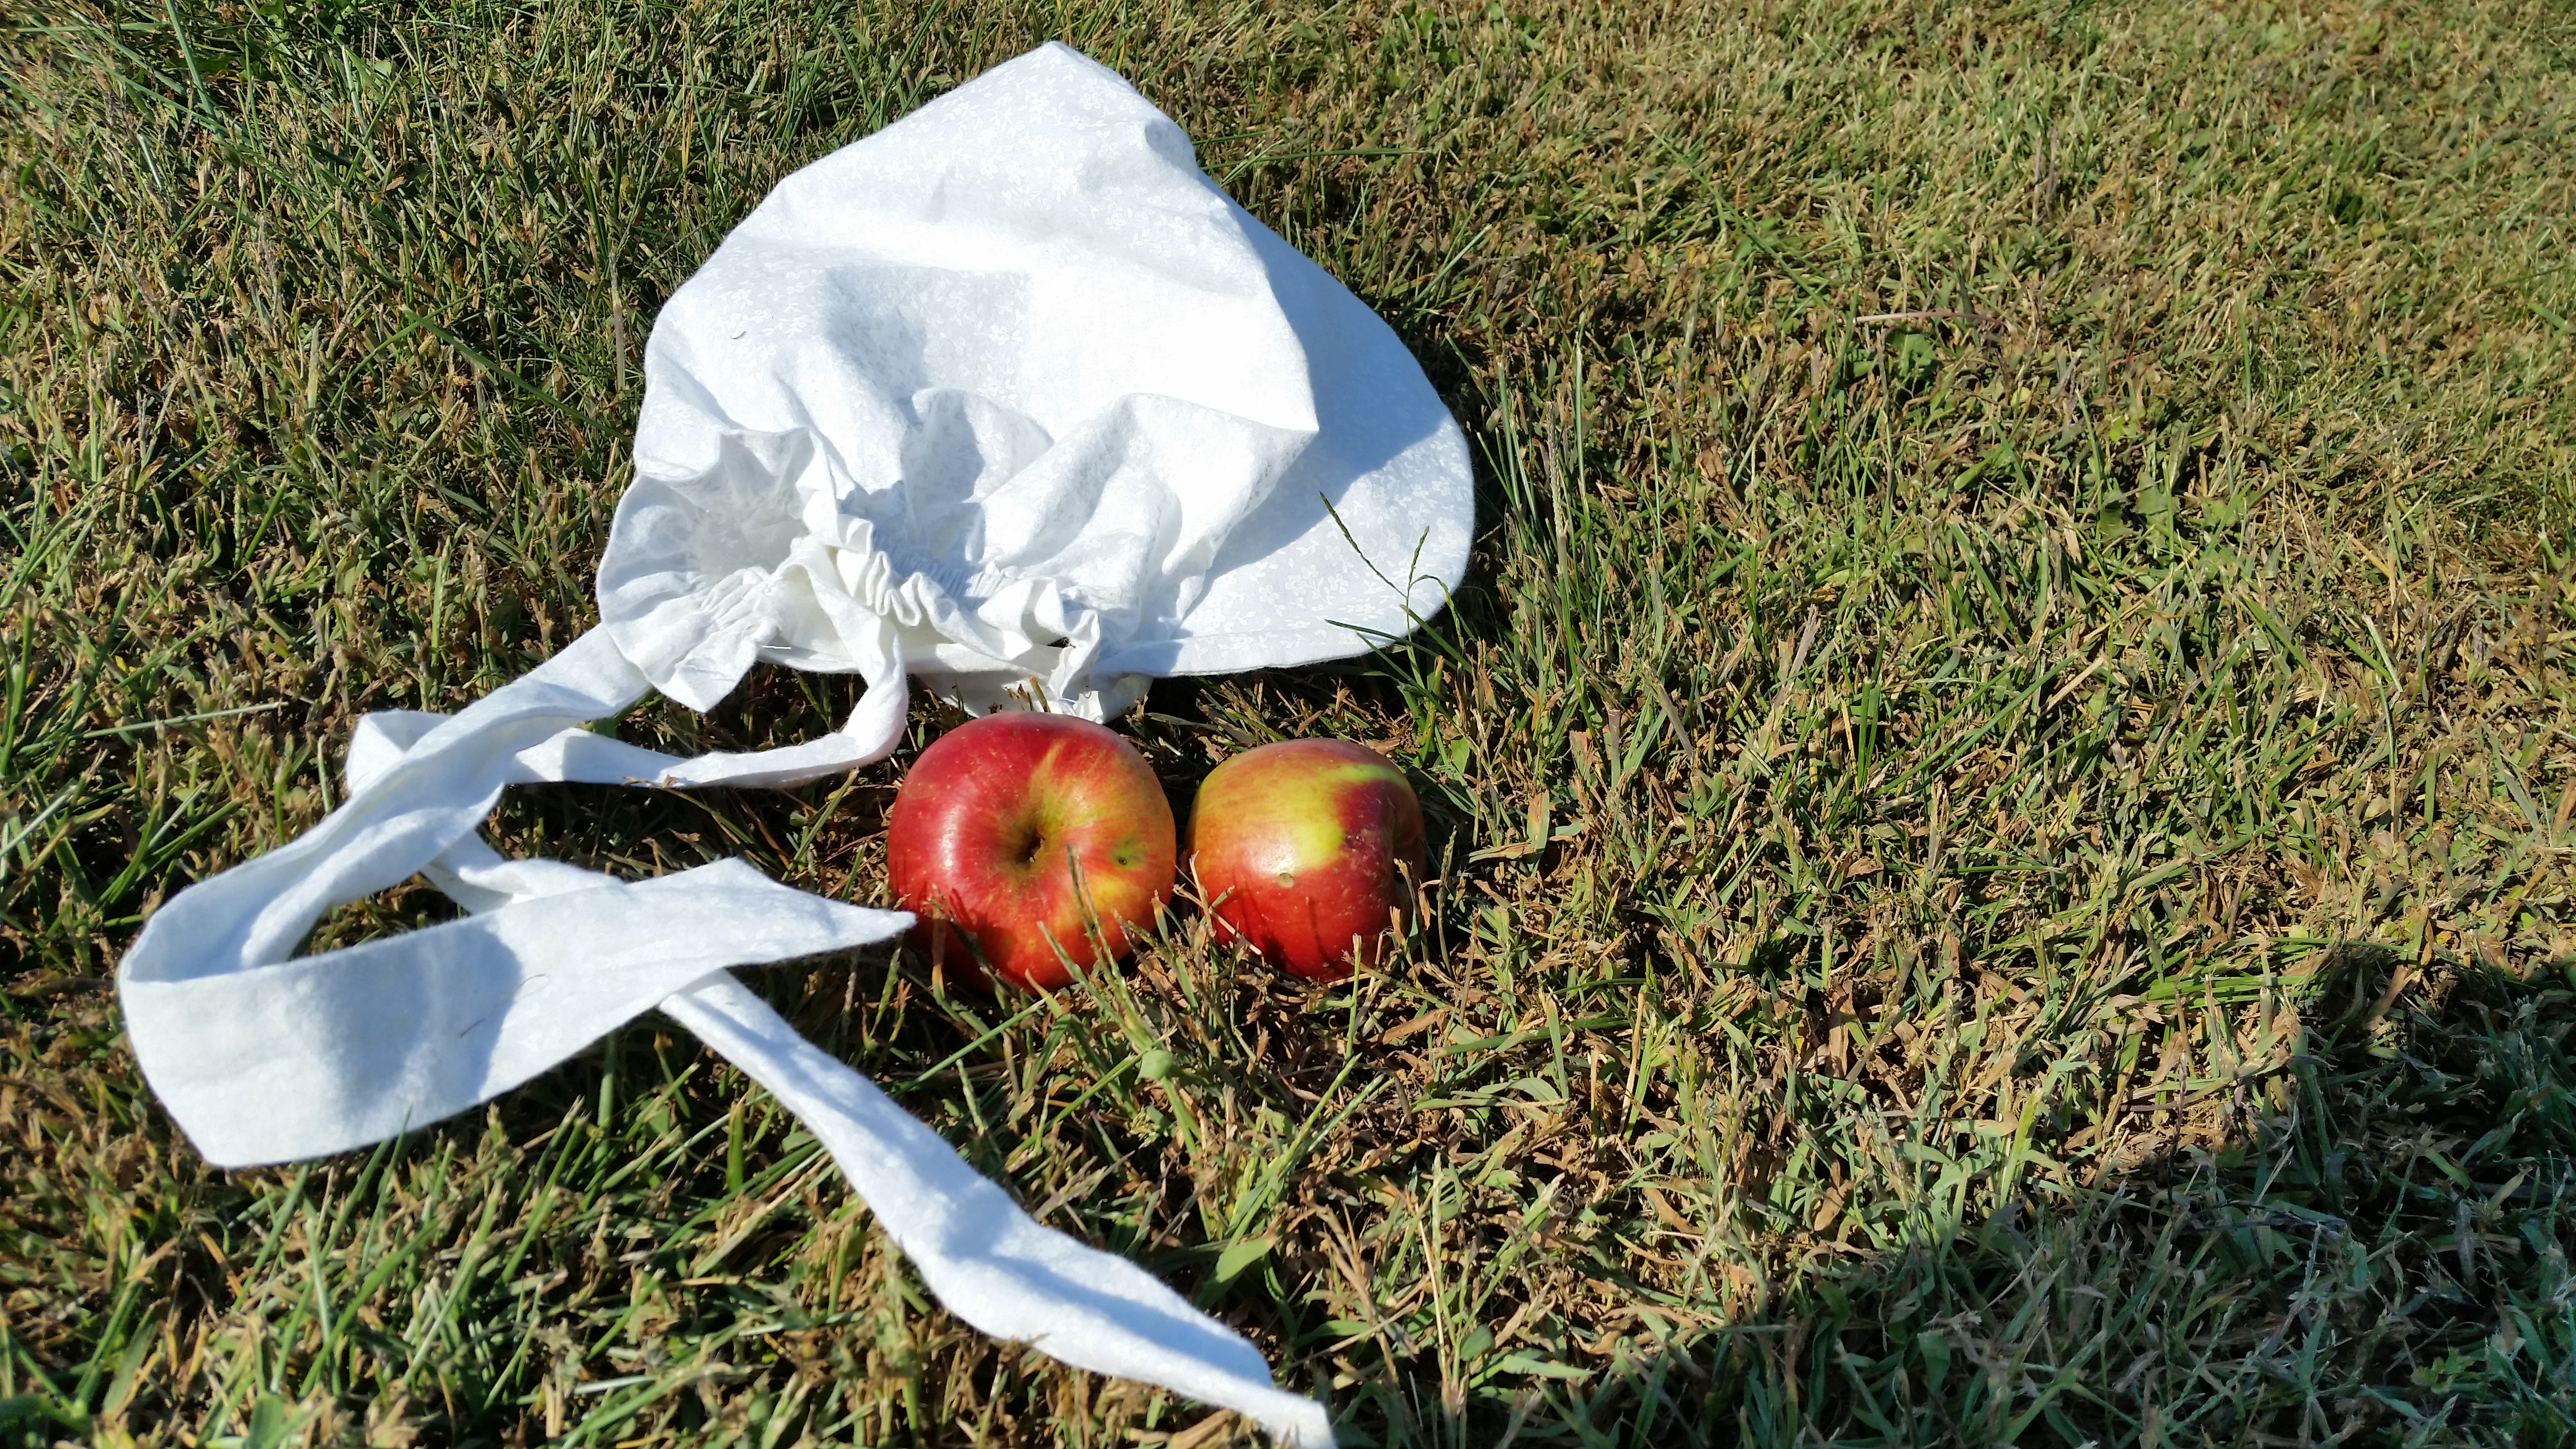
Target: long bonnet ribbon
[1007,396]
[264,1057]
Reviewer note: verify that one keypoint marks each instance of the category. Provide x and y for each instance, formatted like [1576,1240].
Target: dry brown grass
[2004,769]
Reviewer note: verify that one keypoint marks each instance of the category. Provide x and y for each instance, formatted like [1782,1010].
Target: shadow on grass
[2378,1253]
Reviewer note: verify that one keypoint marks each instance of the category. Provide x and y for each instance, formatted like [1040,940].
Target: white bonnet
[996,412]
[1008,395]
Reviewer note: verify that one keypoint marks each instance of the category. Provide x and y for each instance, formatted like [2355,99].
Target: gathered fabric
[1024,404]
[1008,399]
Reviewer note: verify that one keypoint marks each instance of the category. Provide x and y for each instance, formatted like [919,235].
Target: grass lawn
[2004,780]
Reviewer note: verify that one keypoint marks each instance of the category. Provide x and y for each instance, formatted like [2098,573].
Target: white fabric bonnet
[1008,398]
[1012,392]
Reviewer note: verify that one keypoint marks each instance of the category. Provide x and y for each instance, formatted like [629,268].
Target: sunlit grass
[2002,780]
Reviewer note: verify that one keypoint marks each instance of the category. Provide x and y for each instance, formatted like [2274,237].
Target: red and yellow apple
[1042,838]
[1306,850]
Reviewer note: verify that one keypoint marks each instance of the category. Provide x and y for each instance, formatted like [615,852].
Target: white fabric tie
[264,1057]
[1008,397]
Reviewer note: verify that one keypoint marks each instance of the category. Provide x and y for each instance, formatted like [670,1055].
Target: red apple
[1303,848]
[1004,828]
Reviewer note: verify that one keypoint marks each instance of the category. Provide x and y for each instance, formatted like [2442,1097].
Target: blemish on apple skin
[1287,878]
